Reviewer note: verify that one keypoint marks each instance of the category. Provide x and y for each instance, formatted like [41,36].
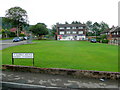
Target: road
[48,80]
[9,43]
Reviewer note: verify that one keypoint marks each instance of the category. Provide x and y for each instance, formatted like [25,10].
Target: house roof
[115,29]
[106,31]
[70,25]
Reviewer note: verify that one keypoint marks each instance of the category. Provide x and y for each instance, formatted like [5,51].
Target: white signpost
[22,55]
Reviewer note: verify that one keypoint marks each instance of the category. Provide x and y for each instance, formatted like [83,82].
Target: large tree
[96,28]
[103,26]
[89,25]
[6,24]
[39,29]
[18,17]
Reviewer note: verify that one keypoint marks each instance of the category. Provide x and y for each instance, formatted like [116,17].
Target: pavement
[54,81]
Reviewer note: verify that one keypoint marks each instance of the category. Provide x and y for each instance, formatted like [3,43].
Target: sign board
[22,55]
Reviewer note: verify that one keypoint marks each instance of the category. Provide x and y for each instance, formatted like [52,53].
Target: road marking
[20,85]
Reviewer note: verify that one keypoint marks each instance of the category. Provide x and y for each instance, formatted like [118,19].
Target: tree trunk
[6,35]
[40,37]
[17,31]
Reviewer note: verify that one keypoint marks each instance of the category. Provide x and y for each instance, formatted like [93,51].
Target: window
[80,27]
[73,27]
[74,32]
[61,32]
[80,32]
[67,27]
[117,33]
[61,28]
[68,32]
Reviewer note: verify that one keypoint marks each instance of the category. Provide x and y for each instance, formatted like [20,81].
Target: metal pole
[33,61]
[12,61]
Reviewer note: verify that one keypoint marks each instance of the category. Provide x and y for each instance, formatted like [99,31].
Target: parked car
[93,40]
[25,38]
[16,39]
[21,38]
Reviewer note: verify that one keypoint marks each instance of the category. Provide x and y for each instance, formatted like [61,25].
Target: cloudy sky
[52,11]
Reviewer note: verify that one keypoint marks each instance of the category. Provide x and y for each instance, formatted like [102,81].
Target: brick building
[71,31]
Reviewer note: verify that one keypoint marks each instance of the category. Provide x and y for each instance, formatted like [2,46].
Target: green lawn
[80,55]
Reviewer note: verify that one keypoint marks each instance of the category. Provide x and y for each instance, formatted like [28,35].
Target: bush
[104,37]
[22,35]
[98,40]
[105,41]
[12,34]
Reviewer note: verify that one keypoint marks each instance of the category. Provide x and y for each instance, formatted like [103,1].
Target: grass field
[80,55]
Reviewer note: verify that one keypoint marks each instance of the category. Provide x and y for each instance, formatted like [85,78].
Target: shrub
[98,40]
[104,37]
[105,41]
[22,35]
[12,34]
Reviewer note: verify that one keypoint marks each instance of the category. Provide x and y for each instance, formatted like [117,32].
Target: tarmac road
[27,79]
[9,43]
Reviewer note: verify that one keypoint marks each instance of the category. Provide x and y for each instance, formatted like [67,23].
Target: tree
[96,29]
[103,26]
[6,24]
[89,25]
[54,31]
[5,33]
[39,29]
[79,23]
[73,22]
[76,22]
[18,17]
[66,22]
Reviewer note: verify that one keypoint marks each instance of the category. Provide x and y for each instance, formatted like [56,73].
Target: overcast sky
[52,11]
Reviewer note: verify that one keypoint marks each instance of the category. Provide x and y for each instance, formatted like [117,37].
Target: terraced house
[71,31]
